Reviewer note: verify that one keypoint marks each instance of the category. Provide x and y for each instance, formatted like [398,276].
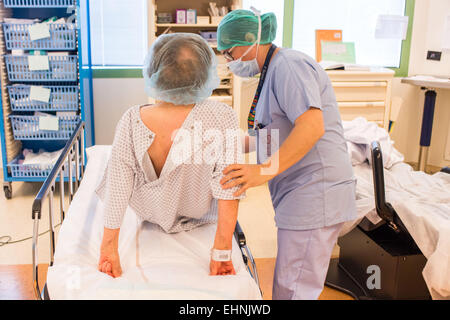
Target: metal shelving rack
[69,79]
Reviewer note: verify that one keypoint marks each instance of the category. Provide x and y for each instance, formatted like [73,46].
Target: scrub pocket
[340,203]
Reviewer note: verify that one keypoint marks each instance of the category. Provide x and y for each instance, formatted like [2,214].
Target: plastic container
[27,128]
[62,98]
[62,68]
[35,170]
[203,20]
[164,17]
[62,37]
[209,35]
[39,3]
[29,170]
[216,20]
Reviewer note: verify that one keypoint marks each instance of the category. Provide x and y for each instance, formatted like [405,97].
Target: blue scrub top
[319,190]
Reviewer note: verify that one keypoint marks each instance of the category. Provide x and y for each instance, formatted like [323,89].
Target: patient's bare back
[163,119]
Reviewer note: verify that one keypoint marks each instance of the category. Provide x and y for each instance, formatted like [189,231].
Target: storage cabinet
[358,94]
[364,94]
[224,93]
[66,79]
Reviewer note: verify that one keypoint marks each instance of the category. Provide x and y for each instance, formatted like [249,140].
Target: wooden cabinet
[359,94]
[364,94]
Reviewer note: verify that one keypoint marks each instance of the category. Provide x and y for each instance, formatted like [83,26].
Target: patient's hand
[109,262]
[221,268]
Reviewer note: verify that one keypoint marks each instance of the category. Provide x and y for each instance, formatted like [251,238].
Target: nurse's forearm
[308,129]
[227,217]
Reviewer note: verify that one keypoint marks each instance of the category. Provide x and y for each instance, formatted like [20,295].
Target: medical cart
[46,82]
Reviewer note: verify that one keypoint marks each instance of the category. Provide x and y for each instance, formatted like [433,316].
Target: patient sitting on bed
[167,159]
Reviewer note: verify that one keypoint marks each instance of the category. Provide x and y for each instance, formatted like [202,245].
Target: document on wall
[39,31]
[446,34]
[49,123]
[338,51]
[391,26]
[41,94]
[38,62]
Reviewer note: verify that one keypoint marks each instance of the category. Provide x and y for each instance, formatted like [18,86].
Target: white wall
[429,21]
[112,97]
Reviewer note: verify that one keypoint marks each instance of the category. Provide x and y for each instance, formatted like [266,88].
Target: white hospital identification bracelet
[220,255]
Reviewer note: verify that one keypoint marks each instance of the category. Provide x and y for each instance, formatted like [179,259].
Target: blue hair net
[180,68]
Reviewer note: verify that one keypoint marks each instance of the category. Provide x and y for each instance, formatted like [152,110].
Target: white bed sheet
[155,265]
[422,201]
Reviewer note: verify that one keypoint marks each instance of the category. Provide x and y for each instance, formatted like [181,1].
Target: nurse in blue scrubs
[301,149]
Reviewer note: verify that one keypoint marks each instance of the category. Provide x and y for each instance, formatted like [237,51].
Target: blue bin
[36,170]
[29,170]
[62,37]
[62,98]
[39,3]
[27,128]
[61,68]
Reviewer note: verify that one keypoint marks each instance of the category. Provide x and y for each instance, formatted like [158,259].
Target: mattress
[155,265]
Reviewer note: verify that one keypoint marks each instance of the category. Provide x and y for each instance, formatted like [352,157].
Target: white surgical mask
[248,68]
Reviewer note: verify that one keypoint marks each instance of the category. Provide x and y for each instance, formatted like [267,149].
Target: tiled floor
[255,216]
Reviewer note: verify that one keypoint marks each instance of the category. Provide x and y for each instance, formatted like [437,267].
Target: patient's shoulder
[217,106]
[124,126]
[129,115]
[219,113]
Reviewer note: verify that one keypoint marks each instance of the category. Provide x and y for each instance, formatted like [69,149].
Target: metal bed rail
[72,158]
[246,254]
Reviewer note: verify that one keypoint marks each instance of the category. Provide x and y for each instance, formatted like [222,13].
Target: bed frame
[386,245]
[70,168]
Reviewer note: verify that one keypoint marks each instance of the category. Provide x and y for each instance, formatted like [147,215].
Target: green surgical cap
[240,28]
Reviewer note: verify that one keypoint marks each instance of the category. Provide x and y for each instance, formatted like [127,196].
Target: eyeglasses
[227,54]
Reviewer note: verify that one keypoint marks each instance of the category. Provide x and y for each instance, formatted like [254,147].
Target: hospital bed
[155,265]
[396,249]
[385,247]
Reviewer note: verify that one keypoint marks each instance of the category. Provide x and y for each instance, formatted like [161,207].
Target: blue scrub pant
[302,262]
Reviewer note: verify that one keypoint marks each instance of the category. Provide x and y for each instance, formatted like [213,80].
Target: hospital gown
[185,194]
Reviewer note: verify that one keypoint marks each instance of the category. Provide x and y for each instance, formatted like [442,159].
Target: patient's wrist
[111,235]
[220,255]
[223,242]
[222,246]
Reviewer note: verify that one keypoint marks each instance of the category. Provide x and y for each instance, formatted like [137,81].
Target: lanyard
[251,115]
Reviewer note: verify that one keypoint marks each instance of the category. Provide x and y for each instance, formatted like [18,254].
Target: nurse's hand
[245,175]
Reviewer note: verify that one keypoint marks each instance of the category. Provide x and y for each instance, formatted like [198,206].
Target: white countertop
[428,81]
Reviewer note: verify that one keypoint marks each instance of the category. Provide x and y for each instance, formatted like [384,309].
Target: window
[118,32]
[357,19]
[265,6]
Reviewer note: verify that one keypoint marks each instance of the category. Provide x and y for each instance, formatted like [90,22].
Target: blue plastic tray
[39,3]
[62,98]
[36,170]
[29,170]
[61,68]
[27,128]
[62,37]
